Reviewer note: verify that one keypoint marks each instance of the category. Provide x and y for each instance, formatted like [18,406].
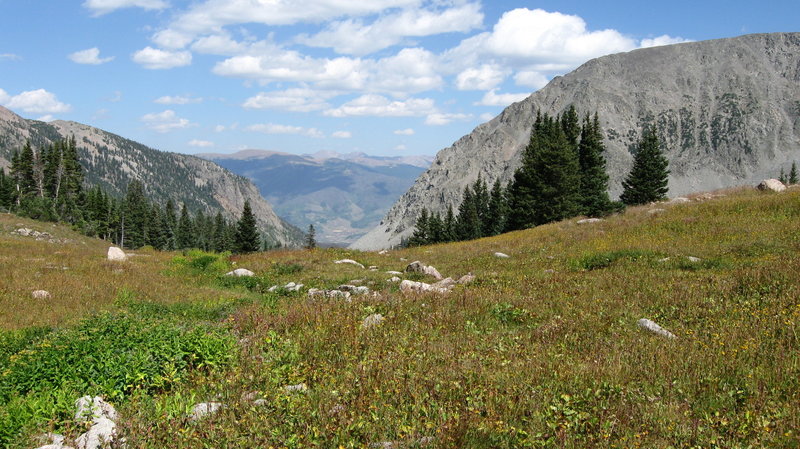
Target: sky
[384,77]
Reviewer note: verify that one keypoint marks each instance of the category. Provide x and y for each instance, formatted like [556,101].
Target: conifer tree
[647,180]
[793,177]
[420,235]
[136,215]
[6,191]
[570,123]
[468,220]
[170,226]
[247,238]
[221,243]
[449,231]
[184,234]
[311,237]
[498,210]
[782,177]
[593,178]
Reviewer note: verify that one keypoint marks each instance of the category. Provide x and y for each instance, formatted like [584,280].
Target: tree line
[562,175]
[48,185]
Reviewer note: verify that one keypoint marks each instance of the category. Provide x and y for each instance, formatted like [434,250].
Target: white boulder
[349,261]
[650,326]
[40,294]
[116,255]
[239,272]
[205,409]
[501,255]
[772,185]
[419,267]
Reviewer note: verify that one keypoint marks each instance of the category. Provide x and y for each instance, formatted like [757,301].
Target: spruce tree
[782,177]
[221,243]
[247,238]
[170,226]
[593,178]
[449,226]
[468,221]
[647,180]
[498,210]
[185,233]
[136,214]
[311,237]
[420,235]
[554,170]
[793,179]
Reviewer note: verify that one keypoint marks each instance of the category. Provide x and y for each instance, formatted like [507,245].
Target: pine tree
[647,180]
[247,238]
[782,177]
[311,237]
[6,191]
[570,123]
[468,221]
[594,180]
[554,169]
[793,179]
[221,243]
[498,210]
[449,230]
[420,235]
[136,211]
[185,232]
[170,226]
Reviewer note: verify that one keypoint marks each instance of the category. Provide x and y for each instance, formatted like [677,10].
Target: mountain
[728,112]
[342,195]
[112,162]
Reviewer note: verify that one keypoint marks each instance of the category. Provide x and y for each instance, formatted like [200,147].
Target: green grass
[541,351]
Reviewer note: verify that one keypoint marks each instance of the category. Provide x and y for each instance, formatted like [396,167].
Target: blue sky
[386,77]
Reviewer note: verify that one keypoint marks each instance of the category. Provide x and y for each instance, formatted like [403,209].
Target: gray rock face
[727,110]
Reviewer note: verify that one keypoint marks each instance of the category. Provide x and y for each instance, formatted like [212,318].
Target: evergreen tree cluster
[48,185]
[792,177]
[563,175]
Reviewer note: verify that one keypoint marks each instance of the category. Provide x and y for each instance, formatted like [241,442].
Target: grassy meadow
[542,350]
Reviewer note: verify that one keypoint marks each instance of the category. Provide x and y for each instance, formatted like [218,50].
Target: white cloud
[342,134]
[37,101]
[439,119]
[492,98]
[200,143]
[400,147]
[533,79]
[116,98]
[89,56]
[219,44]
[9,57]
[100,7]
[662,40]
[272,128]
[485,117]
[485,77]
[356,38]
[46,118]
[219,128]
[185,99]
[404,132]
[155,59]
[379,106]
[163,122]
[295,100]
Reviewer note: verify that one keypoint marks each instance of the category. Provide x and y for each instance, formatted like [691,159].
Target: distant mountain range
[342,195]
[112,162]
[727,110]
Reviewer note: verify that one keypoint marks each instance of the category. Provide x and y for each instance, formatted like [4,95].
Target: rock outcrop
[727,112]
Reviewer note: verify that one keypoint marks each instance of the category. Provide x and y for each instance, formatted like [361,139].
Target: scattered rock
[261,402]
[349,261]
[656,211]
[447,283]
[666,259]
[466,279]
[98,436]
[40,294]
[372,268]
[395,273]
[93,408]
[116,255]
[694,259]
[239,272]
[205,409]
[419,267]
[56,441]
[589,220]
[418,442]
[332,294]
[650,326]
[772,185]
[250,396]
[678,200]
[373,320]
[360,290]
[394,279]
[299,388]
[102,415]
[502,256]
[420,287]
[383,252]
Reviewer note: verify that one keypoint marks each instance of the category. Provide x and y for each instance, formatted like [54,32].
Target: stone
[205,409]
[261,402]
[693,259]
[349,261]
[373,320]
[589,220]
[650,326]
[383,252]
[679,200]
[90,408]
[444,283]
[360,290]
[99,436]
[40,294]
[502,255]
[772,185]
[116,255]
[299,388]
[420,287]
[419,267]
[102,415]
[240,272]
[656,211]
[394,279]
[395,273]
[466,279]
[56,441]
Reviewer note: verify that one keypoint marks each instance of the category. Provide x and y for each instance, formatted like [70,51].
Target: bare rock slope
[728,112]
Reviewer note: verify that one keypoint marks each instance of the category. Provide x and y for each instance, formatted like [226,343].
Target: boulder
[589,220]
[694,259]
[772,185]
[299,388]
[56,441]
[239,272]
[205,409]
[116,255]
[394,279]
[394,273]
[420,287]
[349,261]
[373,320]
[501,255]
[419,267]
[40,294]
[102,415]
[90,408]
[466,279]
[650,326]
[99,436]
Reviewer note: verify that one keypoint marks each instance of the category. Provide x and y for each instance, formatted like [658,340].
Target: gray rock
[395,273]
[88,408]
[772,185]
[394,279]
[694,259]
[40,294]
[501,255]
[589,220]
[99,436]
[55,441]
[650,326]
[656,211]
[419,267]
[466,279]
[349,261]
[420,287]
[679,200]
[240,272]
[373,320]
[116,255]
[205,409]
[299,388]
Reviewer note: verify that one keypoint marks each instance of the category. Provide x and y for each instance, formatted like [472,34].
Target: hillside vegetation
[541,350]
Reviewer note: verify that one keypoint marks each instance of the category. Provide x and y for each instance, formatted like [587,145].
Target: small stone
[656,211]
[502,255]
[679,200]
[383,252]
[420,287]
[116,255]
[40,294]
[589,220]
[693,259]
[360,290]
[466,279]
[650,326]
[394,279]
[373,320]
[395,273]
[666,259]
[419,267]
[240,272]
[250,396]
[205,409]
[261,402]
[299,388]
[772,185]
[349,261]
[273,289]
[90,408]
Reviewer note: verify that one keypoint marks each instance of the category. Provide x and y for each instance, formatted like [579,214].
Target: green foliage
[647,180]
[606,259]
[282,269]
[507,313]
[593,177]
[247,238]
[793,176]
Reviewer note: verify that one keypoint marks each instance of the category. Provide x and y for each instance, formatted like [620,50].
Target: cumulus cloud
[89,56]
[295,100]
[37,101]
[272,128]
[168,99]
[156,59]
[166,121]
[492,98]
[101,7]
[440,119]
[354,37]
[200,143]
[342,134]
[532,79]
[380,106]
[485,77]
[9,57]
[662,40]
[404,132]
